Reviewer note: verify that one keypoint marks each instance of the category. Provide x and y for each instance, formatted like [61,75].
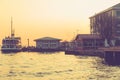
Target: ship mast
[12,32]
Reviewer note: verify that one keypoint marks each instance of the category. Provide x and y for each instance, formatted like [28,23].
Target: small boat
[11,43]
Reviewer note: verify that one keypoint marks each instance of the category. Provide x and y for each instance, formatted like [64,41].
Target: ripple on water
[66,71]
[25,66]
[11,74]
[42,74]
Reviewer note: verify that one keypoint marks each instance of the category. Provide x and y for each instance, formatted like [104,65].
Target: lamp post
[28,47]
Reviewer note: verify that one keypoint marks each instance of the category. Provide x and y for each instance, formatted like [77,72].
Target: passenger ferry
[11,43]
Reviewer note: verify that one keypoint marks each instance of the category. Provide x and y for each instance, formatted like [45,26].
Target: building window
[118,13]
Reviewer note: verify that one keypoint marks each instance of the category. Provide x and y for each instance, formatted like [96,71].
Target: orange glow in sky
[55,18]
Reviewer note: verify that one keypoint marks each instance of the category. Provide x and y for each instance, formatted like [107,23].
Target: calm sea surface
[54,66]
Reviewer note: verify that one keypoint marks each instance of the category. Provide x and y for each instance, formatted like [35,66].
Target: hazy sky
[55,18]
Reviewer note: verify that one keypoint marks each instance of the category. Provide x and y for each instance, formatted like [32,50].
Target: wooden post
[109,59]
[112,58]
[117,58]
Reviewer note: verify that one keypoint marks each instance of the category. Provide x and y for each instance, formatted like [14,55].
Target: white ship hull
[10,49]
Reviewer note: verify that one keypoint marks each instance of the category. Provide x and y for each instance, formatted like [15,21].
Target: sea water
[54,66]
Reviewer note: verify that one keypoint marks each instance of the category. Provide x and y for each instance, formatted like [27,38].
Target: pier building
[89,41]
[47,43]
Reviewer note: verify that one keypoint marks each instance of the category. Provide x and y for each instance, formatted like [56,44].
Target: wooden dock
[116,49]
[111,55]
[90,52]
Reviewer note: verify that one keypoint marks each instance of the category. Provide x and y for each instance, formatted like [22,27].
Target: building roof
[46,38]
[117,6]
[87,36]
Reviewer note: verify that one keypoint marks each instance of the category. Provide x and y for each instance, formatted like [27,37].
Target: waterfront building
[88,41]
[107,24]
[47,43]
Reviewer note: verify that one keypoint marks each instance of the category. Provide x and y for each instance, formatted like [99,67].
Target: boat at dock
[11,43]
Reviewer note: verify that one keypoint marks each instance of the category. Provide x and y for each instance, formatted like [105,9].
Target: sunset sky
[55,18]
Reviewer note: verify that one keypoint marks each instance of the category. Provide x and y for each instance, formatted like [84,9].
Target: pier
[112,55]
[86,52]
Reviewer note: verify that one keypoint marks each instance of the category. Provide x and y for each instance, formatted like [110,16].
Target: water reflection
[54,66]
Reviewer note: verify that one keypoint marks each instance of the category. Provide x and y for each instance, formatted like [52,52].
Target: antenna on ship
[12,32]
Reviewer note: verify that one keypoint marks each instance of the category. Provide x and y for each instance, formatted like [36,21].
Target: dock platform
[112,55]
